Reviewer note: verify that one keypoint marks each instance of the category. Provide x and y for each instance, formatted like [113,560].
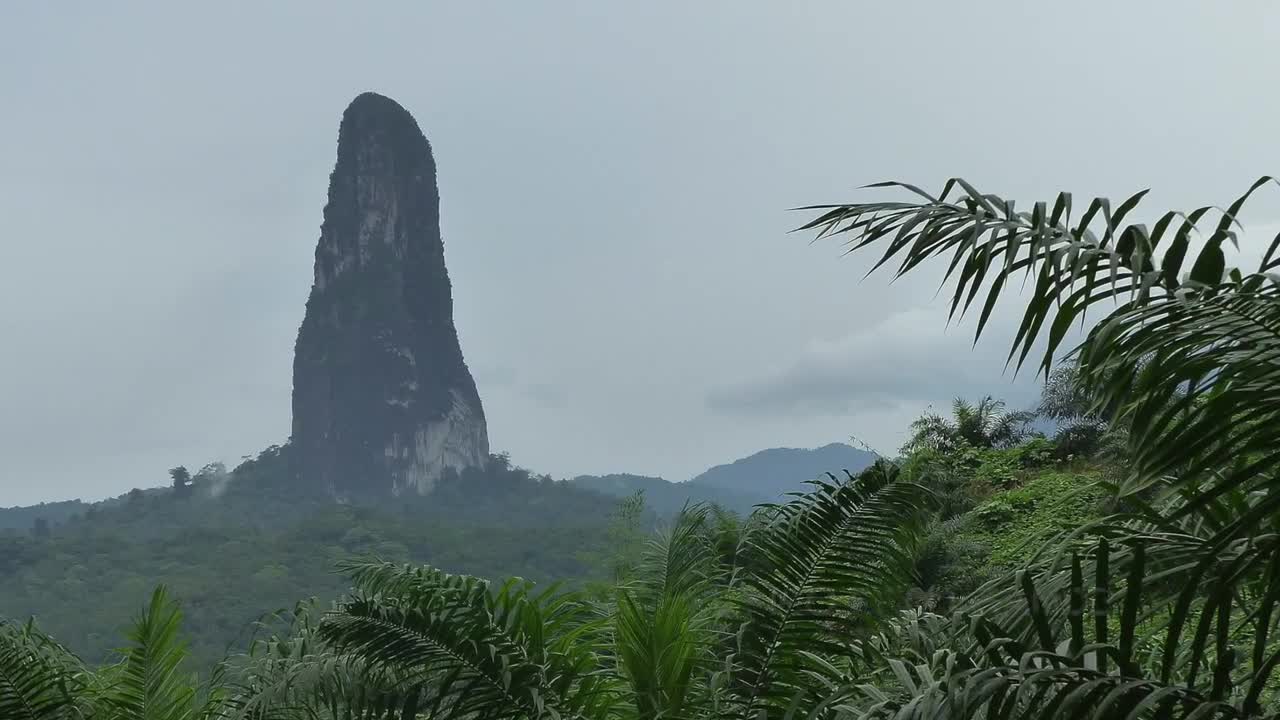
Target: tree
[626,536]
[1185,580]
[41,680]
[1066,400]
[181,480]
[40,528]
[984,425]
[211,474]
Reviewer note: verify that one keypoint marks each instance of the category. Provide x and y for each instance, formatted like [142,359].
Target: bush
[1079,440]
[1005,469]
[995,513]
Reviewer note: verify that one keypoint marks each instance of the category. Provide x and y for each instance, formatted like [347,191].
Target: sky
[615,182]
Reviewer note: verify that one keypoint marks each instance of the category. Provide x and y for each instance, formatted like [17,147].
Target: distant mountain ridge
[766,476]
[775,472]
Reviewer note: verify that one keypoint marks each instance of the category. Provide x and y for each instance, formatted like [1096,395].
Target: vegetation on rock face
[985,574]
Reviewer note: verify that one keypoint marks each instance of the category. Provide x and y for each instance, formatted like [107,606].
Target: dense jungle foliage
[1125,568]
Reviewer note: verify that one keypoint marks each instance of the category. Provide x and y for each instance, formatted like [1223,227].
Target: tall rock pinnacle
[382,400]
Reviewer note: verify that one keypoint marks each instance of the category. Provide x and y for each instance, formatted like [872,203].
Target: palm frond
[150,682]
[1188,363]
[1206,399]
[505,654]
[666,620]
[1059,665]
[660,649]
[990,245]
[824,567]
[290,673]
[39,679]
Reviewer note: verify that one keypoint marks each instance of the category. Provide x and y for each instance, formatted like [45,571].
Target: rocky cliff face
[382,400]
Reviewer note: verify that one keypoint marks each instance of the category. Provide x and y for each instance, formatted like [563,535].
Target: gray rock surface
[383,402]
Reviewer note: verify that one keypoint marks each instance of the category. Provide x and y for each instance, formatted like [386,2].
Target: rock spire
[383,402]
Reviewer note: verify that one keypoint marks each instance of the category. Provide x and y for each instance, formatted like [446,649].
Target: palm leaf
[1072,268]
[982,666]
[831,561]
[291,673]
[150,683]
[666,620]
[508,654]
[39,679]
[1188,362]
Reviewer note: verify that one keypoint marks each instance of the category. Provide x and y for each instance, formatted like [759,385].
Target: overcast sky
[614,184]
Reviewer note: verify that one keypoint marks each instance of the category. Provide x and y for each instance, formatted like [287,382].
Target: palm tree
[1182,588]
[41,680]
[984,425]
[1168,609]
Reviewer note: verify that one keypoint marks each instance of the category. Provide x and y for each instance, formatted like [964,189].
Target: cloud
[624,287]
[903,360]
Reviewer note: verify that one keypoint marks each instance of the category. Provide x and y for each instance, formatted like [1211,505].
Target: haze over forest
[653,361]
[614,186]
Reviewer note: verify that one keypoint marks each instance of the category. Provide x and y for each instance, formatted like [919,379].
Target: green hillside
[248,544]
[239,544]
[243,544]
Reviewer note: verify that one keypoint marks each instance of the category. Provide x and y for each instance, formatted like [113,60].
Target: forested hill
[233,548]
[81,567]
[738,486]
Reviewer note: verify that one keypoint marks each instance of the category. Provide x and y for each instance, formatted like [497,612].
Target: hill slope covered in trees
[79,568]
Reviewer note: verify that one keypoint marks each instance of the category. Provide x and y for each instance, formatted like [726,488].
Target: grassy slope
[1013,523]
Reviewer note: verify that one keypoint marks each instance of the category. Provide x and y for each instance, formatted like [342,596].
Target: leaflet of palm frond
[39,679]
[827,561]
